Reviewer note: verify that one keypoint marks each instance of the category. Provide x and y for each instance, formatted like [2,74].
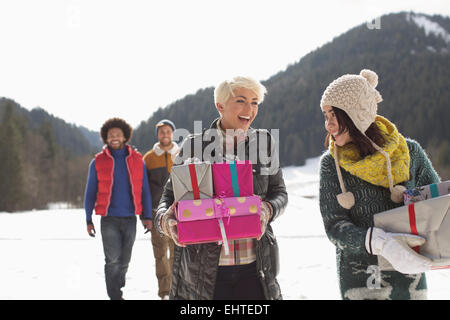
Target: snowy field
[48,254]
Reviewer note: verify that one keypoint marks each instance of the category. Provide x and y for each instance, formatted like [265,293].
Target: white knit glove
[169,225]
[396,248]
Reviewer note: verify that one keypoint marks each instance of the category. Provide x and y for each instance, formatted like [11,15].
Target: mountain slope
[410,53]
[43,158]
[77,140]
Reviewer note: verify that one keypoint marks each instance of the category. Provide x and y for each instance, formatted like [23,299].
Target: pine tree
[11,159]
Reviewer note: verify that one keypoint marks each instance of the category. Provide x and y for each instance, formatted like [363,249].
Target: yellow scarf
[373,168]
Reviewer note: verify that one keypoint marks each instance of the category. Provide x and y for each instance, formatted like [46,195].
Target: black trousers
[238,283]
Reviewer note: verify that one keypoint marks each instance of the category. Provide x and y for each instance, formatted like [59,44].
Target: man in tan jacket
[159,162]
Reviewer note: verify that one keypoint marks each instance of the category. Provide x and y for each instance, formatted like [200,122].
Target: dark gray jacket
[195,266]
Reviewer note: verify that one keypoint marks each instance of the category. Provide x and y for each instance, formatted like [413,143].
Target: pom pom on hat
[346,200]
[372,79]
[397,194]
[370,76]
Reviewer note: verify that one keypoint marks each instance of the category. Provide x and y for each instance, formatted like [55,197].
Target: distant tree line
[35,169]
[43,159]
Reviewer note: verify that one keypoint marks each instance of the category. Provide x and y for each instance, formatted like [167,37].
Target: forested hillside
[411,55]
[44,159]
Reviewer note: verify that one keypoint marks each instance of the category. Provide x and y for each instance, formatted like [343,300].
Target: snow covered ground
[48,254]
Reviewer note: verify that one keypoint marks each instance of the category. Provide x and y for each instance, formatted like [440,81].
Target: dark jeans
[238,283]
[118,234]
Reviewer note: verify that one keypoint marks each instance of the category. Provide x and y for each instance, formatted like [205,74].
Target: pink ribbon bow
[223,209]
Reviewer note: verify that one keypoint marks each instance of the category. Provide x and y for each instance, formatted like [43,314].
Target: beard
[118,146]
[165,142]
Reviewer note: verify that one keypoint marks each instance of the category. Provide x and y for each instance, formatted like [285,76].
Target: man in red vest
[118,190]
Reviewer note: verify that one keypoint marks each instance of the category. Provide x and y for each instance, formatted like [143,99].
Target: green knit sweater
[359,277]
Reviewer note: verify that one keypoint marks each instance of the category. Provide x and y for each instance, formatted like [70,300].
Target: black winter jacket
[195,266]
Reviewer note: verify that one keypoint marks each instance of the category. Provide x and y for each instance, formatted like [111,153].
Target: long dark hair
[363,145]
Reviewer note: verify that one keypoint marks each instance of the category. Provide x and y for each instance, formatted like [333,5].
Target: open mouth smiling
[244,119]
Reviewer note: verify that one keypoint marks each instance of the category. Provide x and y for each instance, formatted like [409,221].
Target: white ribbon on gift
[224,213]
[224,237]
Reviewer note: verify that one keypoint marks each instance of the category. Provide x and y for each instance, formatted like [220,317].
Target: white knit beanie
[357,96]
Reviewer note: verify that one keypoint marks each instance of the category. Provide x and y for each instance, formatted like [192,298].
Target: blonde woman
[205,271]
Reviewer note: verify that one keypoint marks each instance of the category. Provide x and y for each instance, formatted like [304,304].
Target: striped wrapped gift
[426,192]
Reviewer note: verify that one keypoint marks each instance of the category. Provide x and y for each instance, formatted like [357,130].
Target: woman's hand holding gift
[169,225]
[266,214]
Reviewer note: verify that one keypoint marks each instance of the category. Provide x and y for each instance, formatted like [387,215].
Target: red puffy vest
[104,164]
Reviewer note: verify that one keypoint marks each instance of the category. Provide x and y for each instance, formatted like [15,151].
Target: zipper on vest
[112,183]
[131,183]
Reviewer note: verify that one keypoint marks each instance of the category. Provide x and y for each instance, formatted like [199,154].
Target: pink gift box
[200,221]
[233,179]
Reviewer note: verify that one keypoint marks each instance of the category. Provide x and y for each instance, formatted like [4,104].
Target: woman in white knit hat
[365,170]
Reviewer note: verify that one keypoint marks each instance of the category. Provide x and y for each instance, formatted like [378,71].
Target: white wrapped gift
[429,219]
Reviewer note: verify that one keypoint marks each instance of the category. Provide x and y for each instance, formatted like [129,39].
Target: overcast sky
[88,60]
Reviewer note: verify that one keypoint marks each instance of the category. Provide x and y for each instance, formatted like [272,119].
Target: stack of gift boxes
[215,202]
[426,213]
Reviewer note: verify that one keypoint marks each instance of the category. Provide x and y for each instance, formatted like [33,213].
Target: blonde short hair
[225,89]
